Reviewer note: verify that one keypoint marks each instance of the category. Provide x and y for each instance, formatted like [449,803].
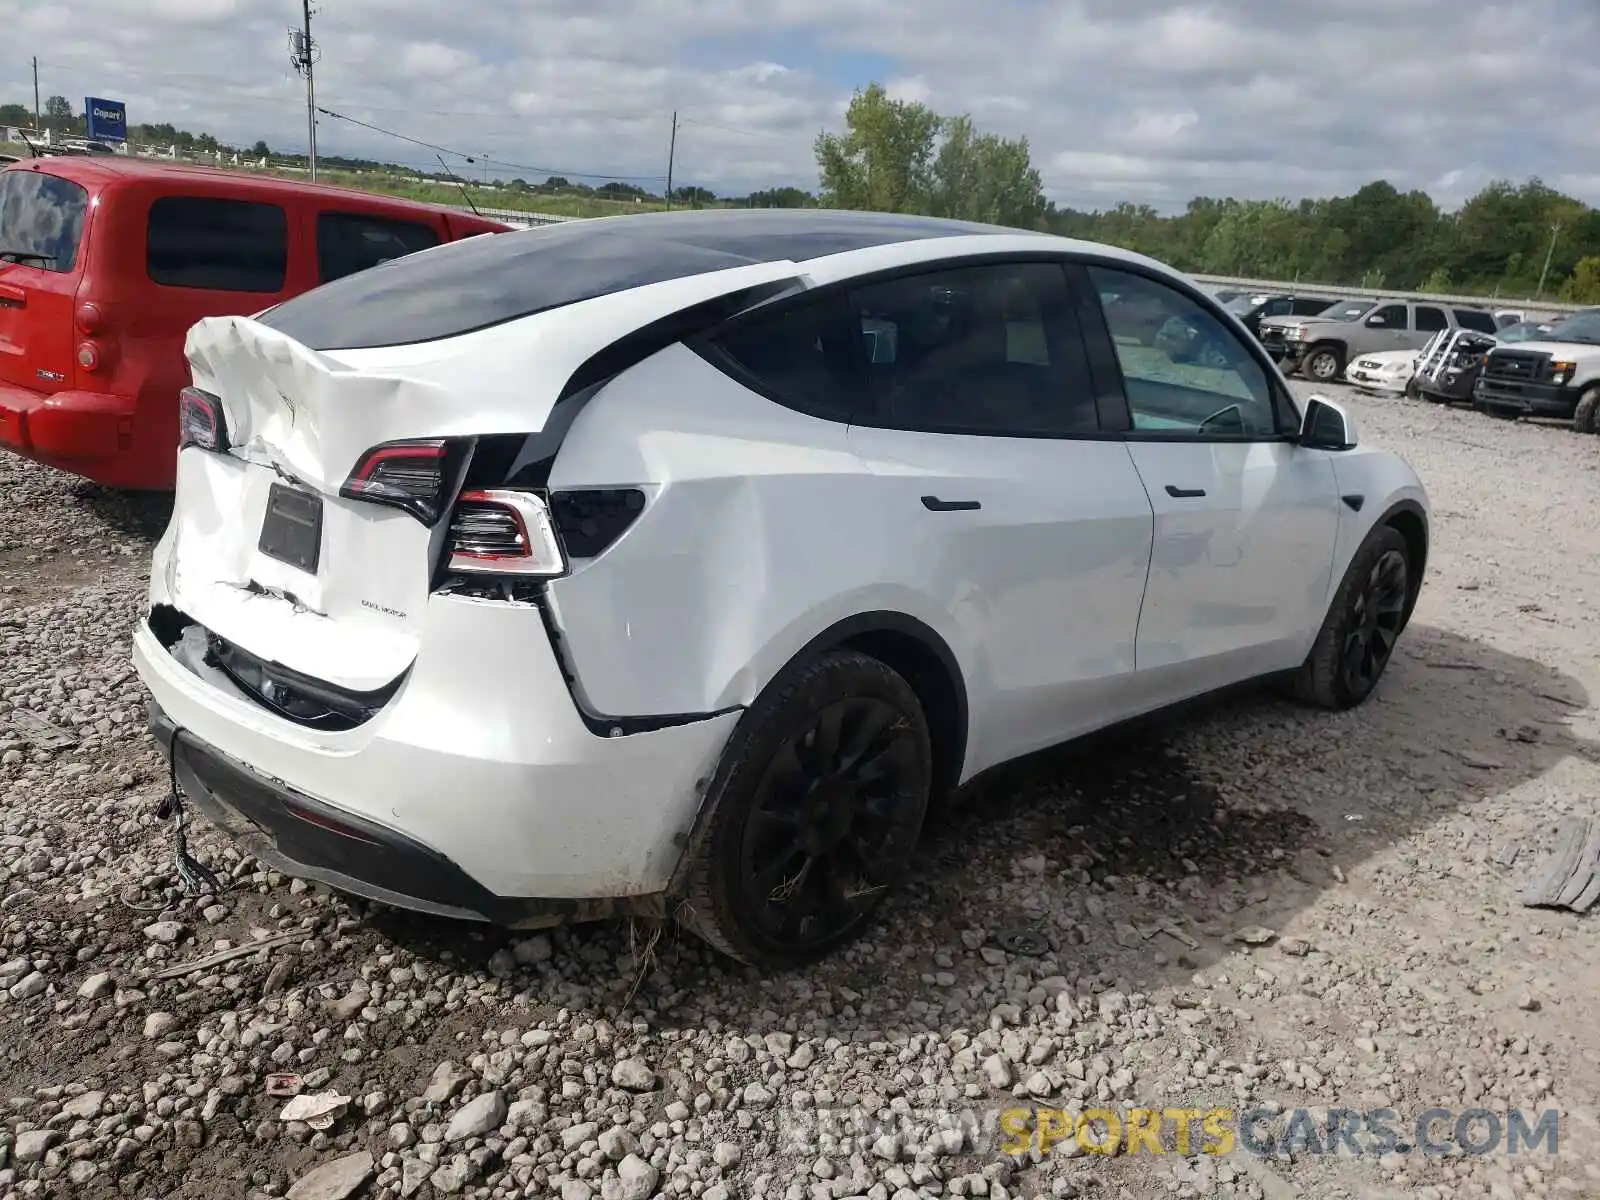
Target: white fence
[1280,287]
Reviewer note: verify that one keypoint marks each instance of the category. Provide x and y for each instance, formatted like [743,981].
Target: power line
[528,167]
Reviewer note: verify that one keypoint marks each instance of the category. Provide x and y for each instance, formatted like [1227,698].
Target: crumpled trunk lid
[299,421]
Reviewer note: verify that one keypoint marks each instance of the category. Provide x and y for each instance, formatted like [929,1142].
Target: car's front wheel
[1586,417]
[1364,621]
[1322,363]
[814,813]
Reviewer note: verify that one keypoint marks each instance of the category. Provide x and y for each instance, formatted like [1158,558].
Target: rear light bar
[201,421]
[504,532]
[410,475]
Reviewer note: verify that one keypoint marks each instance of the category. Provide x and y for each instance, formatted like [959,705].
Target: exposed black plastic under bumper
[307,839]
[1445,388]
[1531,399]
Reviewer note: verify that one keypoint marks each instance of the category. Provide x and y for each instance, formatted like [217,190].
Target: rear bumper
[1530,399]
[294,833]
[65,427]
[477,791]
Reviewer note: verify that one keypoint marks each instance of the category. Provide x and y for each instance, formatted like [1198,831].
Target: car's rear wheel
[1586,417]
[1358,636]
[814,813]
[1322,363]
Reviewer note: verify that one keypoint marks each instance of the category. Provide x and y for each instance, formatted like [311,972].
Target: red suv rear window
[41,219]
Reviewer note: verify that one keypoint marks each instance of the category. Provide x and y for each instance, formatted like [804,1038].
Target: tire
[1366,618]
[1322,363]
[1586,417]
[783,812]
[1414,390]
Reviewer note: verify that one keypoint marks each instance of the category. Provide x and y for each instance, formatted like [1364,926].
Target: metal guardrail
[1279,286]
[515,216]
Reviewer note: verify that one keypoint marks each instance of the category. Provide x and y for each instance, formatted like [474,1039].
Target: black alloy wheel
[813,815]
[1377,614]
[829,825]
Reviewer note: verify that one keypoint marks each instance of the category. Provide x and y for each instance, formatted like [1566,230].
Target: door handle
[1179,493]
[934,504]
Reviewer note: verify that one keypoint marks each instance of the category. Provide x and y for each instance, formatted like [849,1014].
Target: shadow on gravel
[132,514]
[1238,814]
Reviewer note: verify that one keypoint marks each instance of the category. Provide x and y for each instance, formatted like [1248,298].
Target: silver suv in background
[1320,346]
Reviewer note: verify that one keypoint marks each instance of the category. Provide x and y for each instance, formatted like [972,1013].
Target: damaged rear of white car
[346,604]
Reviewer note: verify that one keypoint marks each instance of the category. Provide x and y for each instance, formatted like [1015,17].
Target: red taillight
[89,356]
[503,532]
[201,421]
[91,320]
[409,475]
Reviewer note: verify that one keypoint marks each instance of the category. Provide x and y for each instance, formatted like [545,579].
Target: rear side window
[1430,320]
[218,245]
[351,242]
[1482,322]
[41,220]
[811,357]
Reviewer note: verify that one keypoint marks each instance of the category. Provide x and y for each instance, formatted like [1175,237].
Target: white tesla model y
[675,564]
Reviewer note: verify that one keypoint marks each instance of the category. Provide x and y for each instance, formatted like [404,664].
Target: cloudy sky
[1152,101]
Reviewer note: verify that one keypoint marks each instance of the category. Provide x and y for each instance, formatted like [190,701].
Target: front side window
[1191,375]
[1430,320]
[1390,316]
[218,245]
[992,349]
[41,220]
[351,242]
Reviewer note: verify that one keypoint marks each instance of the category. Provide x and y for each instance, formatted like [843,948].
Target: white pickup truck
[1556,376]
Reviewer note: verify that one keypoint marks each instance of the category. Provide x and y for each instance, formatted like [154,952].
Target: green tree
[16,114]
[982,177]
[260,150]
[58,113]
[883,160]
[1438,282]
[1584,286]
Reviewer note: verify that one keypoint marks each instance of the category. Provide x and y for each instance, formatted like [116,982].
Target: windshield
[1242,305]
[41,219]
[1576,327]
[1346,310]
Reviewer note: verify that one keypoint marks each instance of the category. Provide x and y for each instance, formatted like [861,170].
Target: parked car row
[1535,369]
[1322,346]
[105,264]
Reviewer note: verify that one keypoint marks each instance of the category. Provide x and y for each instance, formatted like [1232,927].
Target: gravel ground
[1260,906]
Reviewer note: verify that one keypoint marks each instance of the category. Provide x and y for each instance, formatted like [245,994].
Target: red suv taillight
[504,532]
[411,475]
[201,421]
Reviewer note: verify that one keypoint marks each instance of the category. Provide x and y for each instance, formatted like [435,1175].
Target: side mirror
[1375,319]
[1326,426]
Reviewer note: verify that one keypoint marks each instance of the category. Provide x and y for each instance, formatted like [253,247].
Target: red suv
[105,263]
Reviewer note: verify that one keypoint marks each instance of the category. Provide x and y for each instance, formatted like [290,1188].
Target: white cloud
[1145,100]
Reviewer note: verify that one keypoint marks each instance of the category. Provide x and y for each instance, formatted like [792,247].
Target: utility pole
[1555,231]
[672,153]
[38,116]
[303,55]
